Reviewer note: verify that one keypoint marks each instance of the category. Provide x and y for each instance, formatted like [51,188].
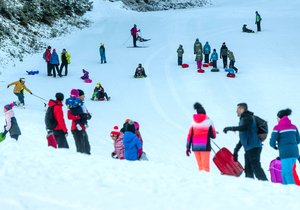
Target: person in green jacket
[197,46]
[257,20]
[180,52]
[65,58]
[199,58]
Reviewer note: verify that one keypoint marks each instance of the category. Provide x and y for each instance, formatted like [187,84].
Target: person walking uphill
[80,135]
[102,53]
[134,32]
[250,141]
[257,20]
[19,90]
[65,58]
[200,132]
[180,52]
[60,131]
[285,138]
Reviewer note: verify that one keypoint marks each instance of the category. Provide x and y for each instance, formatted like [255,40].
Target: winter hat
[130,126]
[9,106]
[115,131]
[80,92]
[136,125]
[22,79]
[49,47]
[54,50]
[59,96]
[74,93]
[284,112]
[199,108]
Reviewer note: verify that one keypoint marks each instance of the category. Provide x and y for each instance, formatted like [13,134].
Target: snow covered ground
[35,177]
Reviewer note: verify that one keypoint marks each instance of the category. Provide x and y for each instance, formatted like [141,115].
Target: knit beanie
[130,126]
[284,112]
[74,93]
[59,96]
[80,92]
[199,108]
[9,106]
[115,131]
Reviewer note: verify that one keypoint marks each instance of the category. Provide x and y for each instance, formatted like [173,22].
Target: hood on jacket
[54,102]
[246,113]
[198,118]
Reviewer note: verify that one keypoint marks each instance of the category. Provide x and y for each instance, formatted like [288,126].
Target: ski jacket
[180,52]
[134,31]
[230,55]
[119,147]
[54,58]
[257,18]
[73,102]
[58,115]
[206,48]
[285,138]
[102,50]
[199,55]
[11,123]
[132,145]
[214,56]
[197,46]
[19,87]
[74,118]
[223,51]
[65,58]
[200,132]
[48,55]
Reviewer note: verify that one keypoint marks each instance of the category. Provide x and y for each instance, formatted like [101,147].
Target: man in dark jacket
[223,54]
[257,20]
[133,32]
[249,140]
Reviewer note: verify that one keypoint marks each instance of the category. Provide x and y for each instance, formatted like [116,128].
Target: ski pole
[39,97]
[127,40]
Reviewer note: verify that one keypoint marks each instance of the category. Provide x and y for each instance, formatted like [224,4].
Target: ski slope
[35,177]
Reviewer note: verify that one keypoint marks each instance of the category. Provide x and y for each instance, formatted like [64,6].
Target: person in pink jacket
[117,137]
[200,132]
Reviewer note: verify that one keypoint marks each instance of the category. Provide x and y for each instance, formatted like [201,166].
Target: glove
[31,93]
[227,129]
[88,116]
[4,133]
[7,86]
[49,131]
[278,158]
[114,155]
[66,134]
[188,152]
[235,157]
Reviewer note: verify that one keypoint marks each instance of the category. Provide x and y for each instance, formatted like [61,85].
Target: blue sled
[32,72]
[230,70]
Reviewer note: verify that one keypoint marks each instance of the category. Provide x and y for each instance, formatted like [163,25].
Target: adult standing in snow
[102,53]
[47,56]
[19,90]
[65,58]
[180,52]
[134,32]
[11,124]
[197,46]
[231,61]
[214,58]
[206,51]
[60,131]
[80,136]
[285,138]
[200,132]
[54,61]
[257,20]
[223,54]
[250,141]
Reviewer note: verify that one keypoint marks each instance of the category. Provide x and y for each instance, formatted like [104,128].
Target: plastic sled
[275,171]
[51,140]
[143,157]
[2,138]
[32,72]
[230,75]
[139,76]
[200,71]
[206,65]
[88,80]
[225,163]
[215,70]
[184,65]
[211,64]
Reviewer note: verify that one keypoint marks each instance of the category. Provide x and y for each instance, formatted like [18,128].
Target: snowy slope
[33,176]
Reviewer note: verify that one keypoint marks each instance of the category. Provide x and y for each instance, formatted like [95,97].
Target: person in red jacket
[60,131]
[46,56]
[134,32]
[80,136]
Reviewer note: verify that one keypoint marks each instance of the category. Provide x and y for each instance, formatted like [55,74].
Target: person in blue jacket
[206,51]
[54,63]
[132,144]
[214,57]
[102,53]
[285,138]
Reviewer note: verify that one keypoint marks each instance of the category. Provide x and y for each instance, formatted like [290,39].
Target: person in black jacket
[249,140]
[223,54]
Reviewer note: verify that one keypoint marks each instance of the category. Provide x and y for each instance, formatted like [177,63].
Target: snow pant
[54,69]
[214,64]
[199,64]
[231,65]
[287,170]
[134,40]
[258,26]
[203,158]
[81,141]
[15,137]
[206,58]
[62,65]
[224,57]
[179,61]
[61,139]
[252,164]
[49,68]
[102,58]
[20,97]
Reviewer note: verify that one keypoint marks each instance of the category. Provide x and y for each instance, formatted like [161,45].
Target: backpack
[262,128]
[50,120]
[44,56]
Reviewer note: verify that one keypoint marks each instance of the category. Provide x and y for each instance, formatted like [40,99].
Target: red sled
[211,64]
[51,140]
[206,65]
[275,171]
[225,163]
[230,75]
[184,65]
[88,80]
[200,71]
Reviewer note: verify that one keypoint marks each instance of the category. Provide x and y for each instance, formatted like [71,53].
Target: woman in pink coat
[200,132]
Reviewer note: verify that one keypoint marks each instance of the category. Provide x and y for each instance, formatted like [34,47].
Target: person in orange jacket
[19,90]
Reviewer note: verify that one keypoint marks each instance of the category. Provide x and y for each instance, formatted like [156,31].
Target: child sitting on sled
[99,94]
[140,72]
[117,137]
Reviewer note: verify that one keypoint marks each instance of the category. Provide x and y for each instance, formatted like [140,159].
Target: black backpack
[50,120]
[262,128]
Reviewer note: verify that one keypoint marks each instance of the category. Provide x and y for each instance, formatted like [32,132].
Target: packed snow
[34,176]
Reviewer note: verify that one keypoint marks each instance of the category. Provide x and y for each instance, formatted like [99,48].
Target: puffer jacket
[119,146]
[58,115]
[132,146]
[19,87]
[11,123]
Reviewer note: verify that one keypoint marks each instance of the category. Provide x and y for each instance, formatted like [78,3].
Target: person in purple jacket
[132,145]
[285,138]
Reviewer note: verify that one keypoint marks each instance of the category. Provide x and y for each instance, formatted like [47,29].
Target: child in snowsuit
[285,138]
[206,51]
[99,93]
[140,71]
[102,53]
[214,58]
[232,61]
[19,90]
[85,74]
[180,52]
[11,122]
[247,30]
[117,137]
[132,144]
[199,58]
[75,105]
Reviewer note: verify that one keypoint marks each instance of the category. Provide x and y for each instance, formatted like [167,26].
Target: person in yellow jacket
[19,90]
[65,58]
